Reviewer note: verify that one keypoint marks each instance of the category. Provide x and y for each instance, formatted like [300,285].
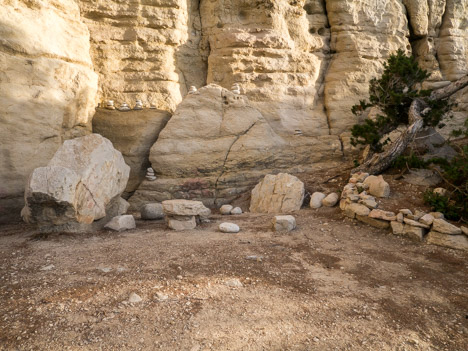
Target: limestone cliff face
[47,88]
[301,64]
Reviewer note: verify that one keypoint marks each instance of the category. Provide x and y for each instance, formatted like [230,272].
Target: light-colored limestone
[415,223]
[377,186]
[184,208]
[427,219]
[459,242]
[121,223]
[282,193]
[383,215]
[378,223]
[47,89]
[229,228]
[236,211]
[316,199]
[330,200]
[83,180]
[132,133]
[284,223]
[353,209]
[180,223]
[226,209]
[442,226]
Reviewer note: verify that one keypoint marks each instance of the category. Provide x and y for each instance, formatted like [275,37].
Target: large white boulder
[282,193]
[80,185]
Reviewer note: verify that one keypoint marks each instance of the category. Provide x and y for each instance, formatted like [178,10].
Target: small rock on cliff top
[80,185]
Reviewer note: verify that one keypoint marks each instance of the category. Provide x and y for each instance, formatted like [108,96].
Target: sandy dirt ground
[332,284]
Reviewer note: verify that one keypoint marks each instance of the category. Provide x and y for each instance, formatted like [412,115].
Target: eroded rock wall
[47,89]
[145,49]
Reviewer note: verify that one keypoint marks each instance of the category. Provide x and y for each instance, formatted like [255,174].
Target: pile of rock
[230,210]
[319,199]
[358,201]
[184,214]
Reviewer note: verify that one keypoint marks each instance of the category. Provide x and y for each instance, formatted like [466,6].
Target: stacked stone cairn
[184,214]
[358,201]
[150,174]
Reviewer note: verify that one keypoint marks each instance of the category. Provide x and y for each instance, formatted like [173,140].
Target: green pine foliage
[393,94]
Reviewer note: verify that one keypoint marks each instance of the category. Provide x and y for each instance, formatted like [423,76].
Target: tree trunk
[378,162]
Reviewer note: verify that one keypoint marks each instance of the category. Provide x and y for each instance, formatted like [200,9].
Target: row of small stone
[358,201]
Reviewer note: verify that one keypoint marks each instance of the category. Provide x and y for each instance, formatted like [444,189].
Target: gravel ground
[332,284]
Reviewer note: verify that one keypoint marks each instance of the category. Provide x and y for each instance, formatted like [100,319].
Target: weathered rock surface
[132,133]
[442,226]
[377,223]
[377,186]
[225,209]
[282,193]
[185,208]
[121,223]
[217,146]
[236,211]
[229,228]
[330,200]
[181,222]
[47,89]
[284,223]
[353,209]
[80,185]
[458,242]
[152,211]
[316,199]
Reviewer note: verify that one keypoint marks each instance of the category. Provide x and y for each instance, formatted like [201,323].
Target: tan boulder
[282,193]
[79,186]
[442,226]
[377,186]
[458,242]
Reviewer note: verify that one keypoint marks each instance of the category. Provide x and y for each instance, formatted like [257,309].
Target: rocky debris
[377,186]
[229,228]
[159,296]
[179,223]
[331,200]
[358,177]
[47,268]
[181,207]
[427,219]
[369,202]
[80,188]
[282,193]
[415,223]
[437,215]
[464,230]
[384,215]
[121,223]
[400,217]
[234,283]
[397,227]
[134,298]
[284,223]
[424,177]
[353,209]
[378,223]
[226,209]
[406,212]
[316,199]
[122,206]
[442,226]
[458,242]
[152,211]
[440,191]
[236,211]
